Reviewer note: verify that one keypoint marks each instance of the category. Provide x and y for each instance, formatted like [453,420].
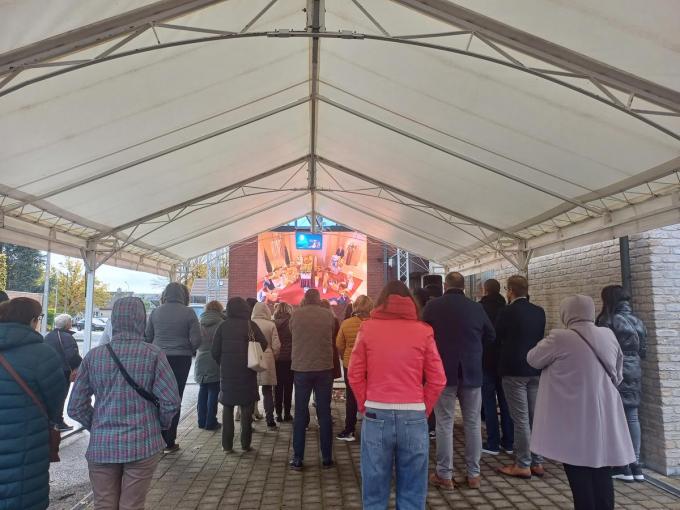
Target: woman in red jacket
[397,375]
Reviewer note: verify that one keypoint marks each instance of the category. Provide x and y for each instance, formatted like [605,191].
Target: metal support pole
[90,261]
[403,267]
[46,294]
[624,255]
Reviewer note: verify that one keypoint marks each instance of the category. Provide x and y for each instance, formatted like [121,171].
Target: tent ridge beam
[542,49]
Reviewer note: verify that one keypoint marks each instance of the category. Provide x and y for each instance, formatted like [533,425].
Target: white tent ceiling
[154,132]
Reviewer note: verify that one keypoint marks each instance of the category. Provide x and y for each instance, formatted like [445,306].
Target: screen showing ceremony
[332,262]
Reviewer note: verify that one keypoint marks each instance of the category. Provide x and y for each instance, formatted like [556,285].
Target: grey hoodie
[173,326]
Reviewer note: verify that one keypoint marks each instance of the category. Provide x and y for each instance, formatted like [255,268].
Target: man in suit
[520,326]
[461,327]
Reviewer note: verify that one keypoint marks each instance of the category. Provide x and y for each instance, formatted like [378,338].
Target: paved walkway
[200,476]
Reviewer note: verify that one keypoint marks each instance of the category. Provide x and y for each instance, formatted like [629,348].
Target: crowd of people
[571,395]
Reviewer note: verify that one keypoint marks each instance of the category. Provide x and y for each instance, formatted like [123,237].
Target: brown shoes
[474,482]
[515,471]
[442,483]
[538,470]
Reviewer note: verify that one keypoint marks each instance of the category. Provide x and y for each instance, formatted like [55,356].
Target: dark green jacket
[24,461]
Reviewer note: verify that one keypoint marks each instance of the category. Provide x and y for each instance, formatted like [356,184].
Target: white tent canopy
[147,133]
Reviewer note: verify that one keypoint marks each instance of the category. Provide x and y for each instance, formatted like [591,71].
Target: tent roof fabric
[154,132]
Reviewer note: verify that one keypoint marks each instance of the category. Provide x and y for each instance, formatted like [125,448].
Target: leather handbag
[54,434]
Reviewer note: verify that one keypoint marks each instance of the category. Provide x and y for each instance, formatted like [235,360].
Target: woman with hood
[125,423]
[283,393]
[206,369]
[631,334]
[24,441]
[238,383]
[397,376]
[174,328]
[579,418]
[262,316]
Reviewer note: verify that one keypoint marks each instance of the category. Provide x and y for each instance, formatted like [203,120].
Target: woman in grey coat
[206,369]
[174,328]
[579,418]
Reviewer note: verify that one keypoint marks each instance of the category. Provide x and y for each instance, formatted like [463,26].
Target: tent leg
[90,259]
[46,294]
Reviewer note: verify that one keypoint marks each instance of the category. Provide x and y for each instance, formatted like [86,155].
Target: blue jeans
[492,389]
[321,383]
[207,405]
[399,440]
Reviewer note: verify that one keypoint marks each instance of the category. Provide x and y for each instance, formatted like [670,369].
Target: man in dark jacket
[520,326]
[174,328]
[312,362]
[461,328]
[62,341]
[492,388]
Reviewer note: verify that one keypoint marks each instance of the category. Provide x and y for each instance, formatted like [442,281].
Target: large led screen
[285,272]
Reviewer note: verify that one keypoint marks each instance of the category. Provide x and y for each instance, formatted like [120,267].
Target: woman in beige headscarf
[579,418]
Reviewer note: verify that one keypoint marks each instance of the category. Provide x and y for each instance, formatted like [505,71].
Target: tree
[25,267]
[3,271]
[70,284]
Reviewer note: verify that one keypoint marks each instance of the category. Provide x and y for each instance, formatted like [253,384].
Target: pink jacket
[395,359]
[579,417]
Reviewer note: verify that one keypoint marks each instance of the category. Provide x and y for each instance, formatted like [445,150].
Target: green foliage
[25,268]
[68,286]
[3,271]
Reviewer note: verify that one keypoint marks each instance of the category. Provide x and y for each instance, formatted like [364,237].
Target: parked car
[98,324]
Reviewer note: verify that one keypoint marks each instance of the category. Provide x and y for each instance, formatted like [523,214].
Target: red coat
[395,359]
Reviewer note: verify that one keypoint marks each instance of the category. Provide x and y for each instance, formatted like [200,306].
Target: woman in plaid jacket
[125,428]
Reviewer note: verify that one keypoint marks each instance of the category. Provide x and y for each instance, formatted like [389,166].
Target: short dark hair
[492,286]
[22,310]
[312,297]
[454,280]
[3,296]
[519,285]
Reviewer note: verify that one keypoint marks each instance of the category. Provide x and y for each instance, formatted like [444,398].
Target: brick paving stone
[200,476]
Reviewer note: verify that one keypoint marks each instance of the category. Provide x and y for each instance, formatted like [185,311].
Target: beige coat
[579,417]
[262,316]
[312,329]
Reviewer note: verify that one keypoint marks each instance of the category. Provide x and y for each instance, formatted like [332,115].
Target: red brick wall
[243,269]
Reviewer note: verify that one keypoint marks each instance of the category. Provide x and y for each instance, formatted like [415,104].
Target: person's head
[517,286]
[349,310]
[422,296]
[282,309]
[612,296]
[214,306]
[363,306]
[63,321]
[325,304]
[22,310]
[577,308]
[312,297]
[251,302]
[176,293]
[394,288]
[434,290]
[238,308]
[128,319]
[492,287]
[3,296]
[454,280]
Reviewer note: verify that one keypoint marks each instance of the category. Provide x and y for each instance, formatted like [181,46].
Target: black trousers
[246,426]
[180,366]
[592,488]
[350,407]
[283,391]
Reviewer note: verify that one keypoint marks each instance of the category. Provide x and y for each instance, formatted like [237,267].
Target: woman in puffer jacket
[631,334]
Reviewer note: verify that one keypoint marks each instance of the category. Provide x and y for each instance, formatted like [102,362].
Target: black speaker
[432,279]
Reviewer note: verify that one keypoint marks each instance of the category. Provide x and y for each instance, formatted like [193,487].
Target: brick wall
[655,268]
[243,269]
[375,267]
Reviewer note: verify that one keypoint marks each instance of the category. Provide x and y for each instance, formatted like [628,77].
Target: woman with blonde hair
[283,392]
[361,311]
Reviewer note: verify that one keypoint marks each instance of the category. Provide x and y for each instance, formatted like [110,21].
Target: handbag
[604,367]
[54,437]
[256,359]
[146,395]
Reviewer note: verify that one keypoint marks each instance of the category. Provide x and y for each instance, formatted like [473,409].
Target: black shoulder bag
[142,392]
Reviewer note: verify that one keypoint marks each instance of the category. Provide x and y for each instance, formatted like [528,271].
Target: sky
[116,278]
